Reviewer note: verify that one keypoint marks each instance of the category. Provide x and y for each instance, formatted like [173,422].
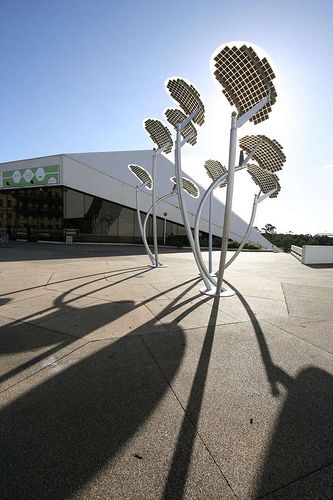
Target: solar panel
[269,154]
[246,79]
[265,180]
[187,97]
[142,174]
[175,116]
[188,186]
[214,170]
[159,133]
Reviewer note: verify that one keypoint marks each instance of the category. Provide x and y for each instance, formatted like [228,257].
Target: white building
[93,196]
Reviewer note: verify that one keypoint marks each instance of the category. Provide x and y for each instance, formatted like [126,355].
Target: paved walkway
[124,382]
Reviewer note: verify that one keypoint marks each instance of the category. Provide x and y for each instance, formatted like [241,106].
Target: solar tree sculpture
[246,81]
[161,136]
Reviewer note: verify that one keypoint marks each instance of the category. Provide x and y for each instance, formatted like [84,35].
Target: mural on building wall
[26,177]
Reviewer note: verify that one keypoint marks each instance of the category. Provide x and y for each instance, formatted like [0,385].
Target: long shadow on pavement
[56,437]
[301,447]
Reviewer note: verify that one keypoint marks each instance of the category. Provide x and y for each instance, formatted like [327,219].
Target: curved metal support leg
[210,236]
[143,236]
[182,207]
[144,229]
[257,199]
[248,231]
[197,222]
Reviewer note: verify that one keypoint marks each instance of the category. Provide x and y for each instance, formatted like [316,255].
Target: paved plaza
[123,382]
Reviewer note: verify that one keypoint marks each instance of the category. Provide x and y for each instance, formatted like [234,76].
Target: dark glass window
[126,222]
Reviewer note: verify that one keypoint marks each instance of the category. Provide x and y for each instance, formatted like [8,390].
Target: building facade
[92,196]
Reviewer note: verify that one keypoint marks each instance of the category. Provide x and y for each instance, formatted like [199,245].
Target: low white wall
[317,254]
[297,252]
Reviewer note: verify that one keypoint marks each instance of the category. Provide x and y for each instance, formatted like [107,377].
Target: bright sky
[81,75]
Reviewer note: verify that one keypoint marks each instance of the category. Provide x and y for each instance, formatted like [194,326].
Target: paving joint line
[48,281]
[285,298]
[299,338]
[37,325]
[188,418]
[44,367]
[294,481]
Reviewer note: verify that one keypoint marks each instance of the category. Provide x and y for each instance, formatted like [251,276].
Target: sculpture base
[225,292]
[160,264]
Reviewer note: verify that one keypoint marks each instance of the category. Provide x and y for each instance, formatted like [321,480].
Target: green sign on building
[24,177]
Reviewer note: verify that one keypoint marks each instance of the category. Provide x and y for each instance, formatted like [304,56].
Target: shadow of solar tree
[301,445]
[57,436]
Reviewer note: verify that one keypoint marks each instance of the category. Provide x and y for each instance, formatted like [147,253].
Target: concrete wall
[317,254]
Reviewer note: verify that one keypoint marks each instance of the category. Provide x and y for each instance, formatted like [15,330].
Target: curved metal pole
[215,183]
[144,227]
[228,202]
[154,211]
[246,235]
[182,206]
[210,236]
[149,253]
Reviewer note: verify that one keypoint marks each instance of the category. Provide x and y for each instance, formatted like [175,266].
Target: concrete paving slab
[46,306]
[79,417]
[258,287]
[241,307]
[187,288]
[310,291]
[144,275]
[22,271]
[122,292]
[18,288]
[318,485]
[301,306]
[104,426]
[267,396]
[99,287]
[26,348]
[316,332]
[105,320]
[189,312]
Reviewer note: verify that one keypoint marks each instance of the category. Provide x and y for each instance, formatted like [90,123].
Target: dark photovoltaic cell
[187,97]
[265,180]
[159,133]
[246,79]
[269,155]
[188,186]
[175,116]
[142,174]
[214,170]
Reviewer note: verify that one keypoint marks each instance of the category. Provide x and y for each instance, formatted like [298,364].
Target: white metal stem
[210,236]
[228,203]
[249,114]
[215,183]
[143,236]
[246,235]
[154,208]
[151,256]
[182,205]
